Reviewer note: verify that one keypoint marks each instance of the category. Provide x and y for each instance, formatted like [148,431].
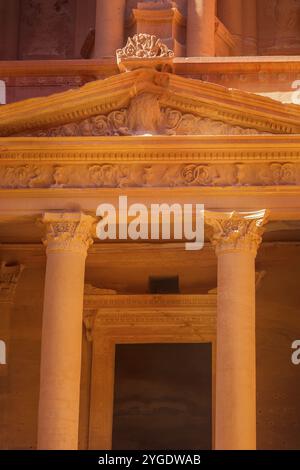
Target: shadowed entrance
[163,396]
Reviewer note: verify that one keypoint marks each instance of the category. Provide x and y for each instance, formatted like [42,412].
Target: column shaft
[62,334]
[250,27]
[110,18]
[236,237]
[236,373]
[201,28]
[231,14]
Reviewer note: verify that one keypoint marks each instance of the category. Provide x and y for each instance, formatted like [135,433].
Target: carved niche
[47,28]
[279,26]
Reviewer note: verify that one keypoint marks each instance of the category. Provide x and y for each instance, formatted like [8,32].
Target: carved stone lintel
[9,277]
[68,232]
[235,231]
[130,311]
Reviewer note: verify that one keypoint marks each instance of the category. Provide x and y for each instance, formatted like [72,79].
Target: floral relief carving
[26,176]
[278,173]
[144,116]
[189,124]
[144,46]
[200,175]
[121,175]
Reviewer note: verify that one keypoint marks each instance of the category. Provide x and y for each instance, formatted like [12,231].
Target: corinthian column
[68,236]
[201,28]
[236,238]
[110,18]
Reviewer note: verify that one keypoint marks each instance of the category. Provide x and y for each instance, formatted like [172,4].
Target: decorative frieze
[110,175]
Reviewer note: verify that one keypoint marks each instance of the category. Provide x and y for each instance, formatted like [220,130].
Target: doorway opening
[163,397]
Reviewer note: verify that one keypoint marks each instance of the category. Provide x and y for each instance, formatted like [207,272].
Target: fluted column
[236,238]
[231,14]
[110,18]
[68,236]
[201,28]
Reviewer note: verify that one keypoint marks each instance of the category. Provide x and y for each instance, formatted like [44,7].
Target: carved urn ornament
[145,50]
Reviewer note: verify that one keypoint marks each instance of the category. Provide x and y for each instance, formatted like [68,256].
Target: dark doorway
[163,397]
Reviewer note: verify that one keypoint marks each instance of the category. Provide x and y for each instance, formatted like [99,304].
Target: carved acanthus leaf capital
[236,231]
[68,232]
[9,277]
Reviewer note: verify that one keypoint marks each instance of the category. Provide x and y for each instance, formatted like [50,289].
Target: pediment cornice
[139,101]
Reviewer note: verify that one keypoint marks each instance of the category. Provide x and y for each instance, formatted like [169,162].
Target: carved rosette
[9,277]
[236,231]
[68,232]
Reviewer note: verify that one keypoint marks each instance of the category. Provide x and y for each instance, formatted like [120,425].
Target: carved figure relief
[285,15]
[46,28]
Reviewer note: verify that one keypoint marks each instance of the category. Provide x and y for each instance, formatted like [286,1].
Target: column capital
[236,231]
[68,232]
[9,277]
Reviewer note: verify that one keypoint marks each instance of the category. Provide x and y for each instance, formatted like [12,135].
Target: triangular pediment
[146,101]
